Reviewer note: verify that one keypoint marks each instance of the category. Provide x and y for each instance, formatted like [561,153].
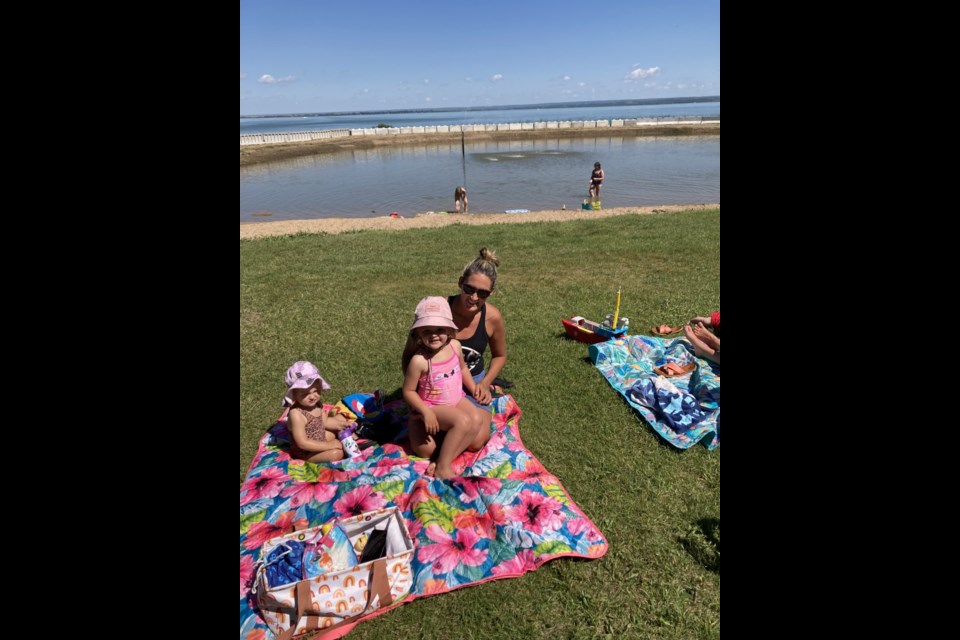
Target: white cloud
[581,84]
[496,76]
[426,81]
[428,99]
[567,78]
[639,72]
[269,79]
[243,74]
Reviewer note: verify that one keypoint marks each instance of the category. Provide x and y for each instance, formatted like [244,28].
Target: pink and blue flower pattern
[503,516]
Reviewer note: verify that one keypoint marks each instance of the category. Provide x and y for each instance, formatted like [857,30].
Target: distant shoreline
[505,107]
[259,154]
[251,230]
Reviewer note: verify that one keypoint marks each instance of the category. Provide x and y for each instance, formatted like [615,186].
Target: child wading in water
[460,199]
[596,181]
[435,375]
[313,426]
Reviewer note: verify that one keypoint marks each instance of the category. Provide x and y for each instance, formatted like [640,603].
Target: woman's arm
[715,321]
[496,334]
[468,382]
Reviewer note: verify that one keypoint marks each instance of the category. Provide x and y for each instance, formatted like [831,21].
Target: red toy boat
[583,330]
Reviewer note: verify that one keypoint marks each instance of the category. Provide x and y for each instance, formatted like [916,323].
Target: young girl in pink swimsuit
[435,376]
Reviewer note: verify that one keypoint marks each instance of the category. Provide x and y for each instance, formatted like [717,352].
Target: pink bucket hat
[302,375]
[433,311]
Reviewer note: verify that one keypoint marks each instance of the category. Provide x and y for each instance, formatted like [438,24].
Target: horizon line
[539,105]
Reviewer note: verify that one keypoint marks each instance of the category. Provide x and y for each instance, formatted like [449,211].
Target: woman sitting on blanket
[705,344]
[479,323]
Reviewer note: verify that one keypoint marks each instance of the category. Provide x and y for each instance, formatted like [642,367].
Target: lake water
[530,174]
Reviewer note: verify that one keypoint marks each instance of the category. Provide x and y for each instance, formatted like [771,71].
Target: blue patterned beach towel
[683,410]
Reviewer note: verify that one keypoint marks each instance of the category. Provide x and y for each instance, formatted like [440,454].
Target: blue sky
[298,56]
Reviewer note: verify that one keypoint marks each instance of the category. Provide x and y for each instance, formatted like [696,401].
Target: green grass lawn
[345,302]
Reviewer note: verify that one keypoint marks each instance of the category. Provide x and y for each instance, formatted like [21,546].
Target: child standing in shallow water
[460,199]
[596,181]
[435,375]
[313,426]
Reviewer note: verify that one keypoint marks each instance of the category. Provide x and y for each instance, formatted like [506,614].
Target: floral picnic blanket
[505,515]
[684,410]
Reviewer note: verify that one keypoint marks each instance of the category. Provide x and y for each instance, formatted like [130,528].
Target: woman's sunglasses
[470,290]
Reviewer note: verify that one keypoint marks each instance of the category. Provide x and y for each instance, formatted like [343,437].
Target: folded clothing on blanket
[680,410]
[285,563]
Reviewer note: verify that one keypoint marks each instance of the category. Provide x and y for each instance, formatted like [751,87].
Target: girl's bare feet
[431,470]
[706,336]
[444,473]
[700,349]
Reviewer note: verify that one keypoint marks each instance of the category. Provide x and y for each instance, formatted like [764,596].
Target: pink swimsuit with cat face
[442,383]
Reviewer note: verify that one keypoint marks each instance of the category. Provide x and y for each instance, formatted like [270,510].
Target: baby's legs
[334,453]
[330,455]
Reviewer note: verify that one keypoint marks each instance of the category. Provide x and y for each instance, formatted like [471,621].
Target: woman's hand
[481,393]
[430,423]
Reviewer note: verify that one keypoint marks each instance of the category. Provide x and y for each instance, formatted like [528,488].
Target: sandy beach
[249,230]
